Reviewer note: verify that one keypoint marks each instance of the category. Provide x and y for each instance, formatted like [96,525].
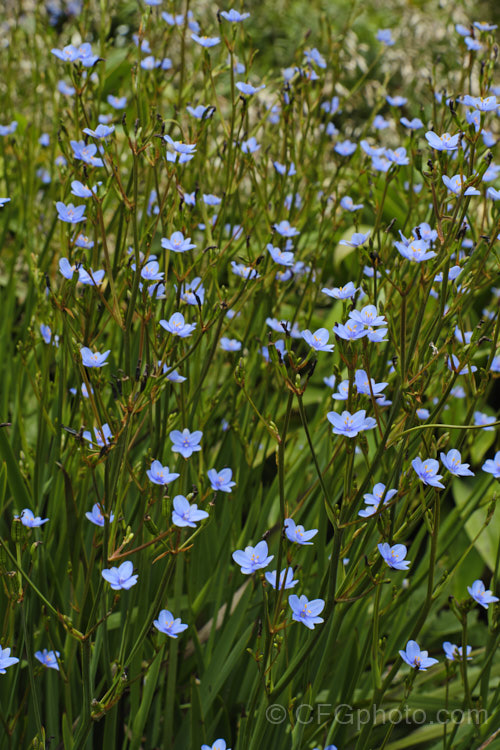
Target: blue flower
[345,148]
[117,102]
[246,272]
[453,462]
[230,345]
[285,229]
[394,556]
[348,204]
[94,359]
[318,340]
[279,345]
[380,123]
[200,112]
[473,44]
[166,623]
[342,391]
[381,163]
[314,56]
[425,232]
[306,611]
[8,129]
[247,89]
[221,480]
[349,424]
[416,658]
[173,376]
[473,117]
[484,26]
[46,333]
[83,241]
[282,257]
[281,169]
[177,243]
[66,268]
[149,62]
[211,200]
[96,516]
[6,660]
[102,438]
[456,184]
[185,514]
[414,124]
[179,150]
[70,53]
[86,153]
[374,499]
[30,520]
[3,201]
[48,658]
[93,278]
[177,326]
[492,465]
[101,131]
[493,194]
[159,474]
[284,275]
[85,392]
[495,364]
[453,274]
[397,156]
[234,16]
[178,20]
[396,101]
[445,142]
[193,293]
[363,384]
[85,55]
[481,595]
[120,577]
[205,41]
[368,316]
[70,214]
[286,579]
[484,420]
[252,558]
[151,271]
[298,534]
[250,146]
[186,443]
[482,104]
[416,251]
[332,106]
[218,745]
[357,240]
[453,364]
[341,292]
[384,36]
[350,331]
[427,471]
[455,653]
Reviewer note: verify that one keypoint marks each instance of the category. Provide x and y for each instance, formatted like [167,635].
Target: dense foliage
[249,344]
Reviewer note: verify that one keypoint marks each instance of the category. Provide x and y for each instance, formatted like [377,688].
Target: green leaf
[15,479]
[487,541]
